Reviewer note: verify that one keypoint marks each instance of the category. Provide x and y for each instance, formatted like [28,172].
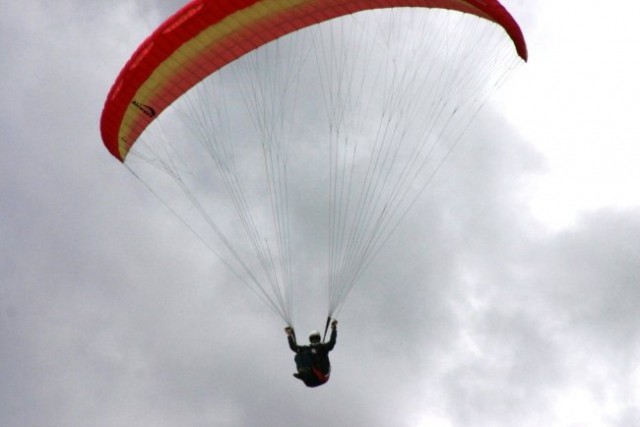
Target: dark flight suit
[312,361]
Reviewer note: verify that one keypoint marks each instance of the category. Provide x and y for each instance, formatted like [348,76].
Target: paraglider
[312,361]
[274,127]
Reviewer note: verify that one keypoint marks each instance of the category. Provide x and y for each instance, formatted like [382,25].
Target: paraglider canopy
[206,35]
[236,112]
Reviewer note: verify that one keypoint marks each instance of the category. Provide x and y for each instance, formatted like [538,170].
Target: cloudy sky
[508,298]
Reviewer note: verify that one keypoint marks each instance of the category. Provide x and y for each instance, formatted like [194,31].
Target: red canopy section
[206,35]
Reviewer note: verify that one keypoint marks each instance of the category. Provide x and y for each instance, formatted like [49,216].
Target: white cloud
[574,102]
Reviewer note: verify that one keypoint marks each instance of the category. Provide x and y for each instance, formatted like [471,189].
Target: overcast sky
[509,297]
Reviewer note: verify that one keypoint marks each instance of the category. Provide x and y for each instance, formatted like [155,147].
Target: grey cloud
[112,314]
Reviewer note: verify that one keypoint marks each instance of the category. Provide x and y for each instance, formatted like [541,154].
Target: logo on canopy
[146,109]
